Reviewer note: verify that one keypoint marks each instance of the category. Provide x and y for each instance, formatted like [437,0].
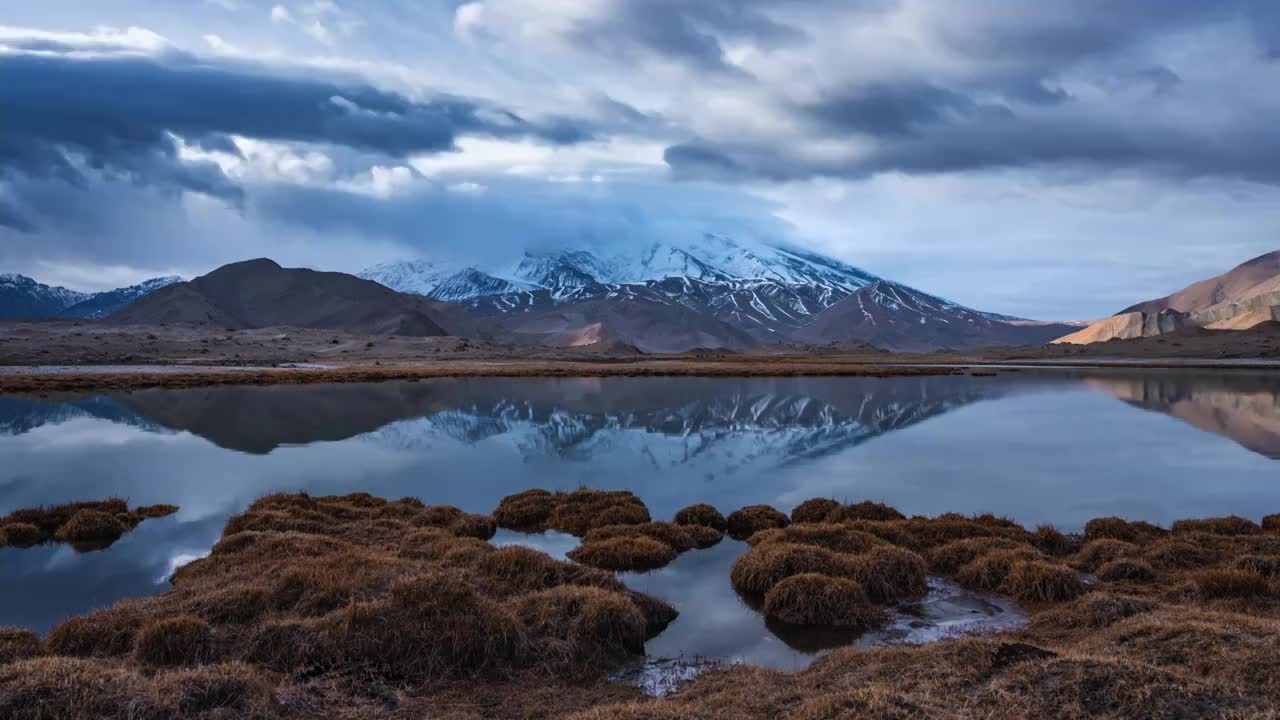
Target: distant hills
[23,297]
[1239,299]
[712,293]
[261,293]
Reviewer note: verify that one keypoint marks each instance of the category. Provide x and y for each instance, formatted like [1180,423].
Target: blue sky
[1058,159]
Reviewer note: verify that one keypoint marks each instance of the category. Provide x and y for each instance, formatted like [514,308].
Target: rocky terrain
[1237,300]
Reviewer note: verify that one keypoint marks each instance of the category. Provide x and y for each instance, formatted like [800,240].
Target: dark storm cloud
[690,32]
[119,115]
[1010,108]
[1249,150]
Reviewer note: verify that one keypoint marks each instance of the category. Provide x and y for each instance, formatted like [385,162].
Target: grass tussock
[576,513]
[1053,542]
[834,537]
[816,510]
[86,526]
[355,606]
[1271,523]
[865,510]
[1127,569]
[704,515]
[1035,582]
[635,553]
[813,599]
[1096,553]
[19,644]
[1232,583]
[747,521]
[1232,525]
[1114,528]
[175,641]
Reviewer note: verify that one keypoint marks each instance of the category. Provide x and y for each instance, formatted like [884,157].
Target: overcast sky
[1058,159]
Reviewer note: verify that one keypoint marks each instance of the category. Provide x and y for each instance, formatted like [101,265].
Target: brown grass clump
[1042,582]
[987,573]
[1127,569]
[860,703]
[526,511]
[228,689]
[151,512]
[635,553]
[1271,523]
[704,515]
[813,599]
[19,644]
[91,527]
[949,558]
[1115,528]
[890,574]
[1232,525]
[1053,542]
[1264,565]
[86,526]
[584,509]
[1173,554]
[1228,583]
[582,626]
[704,536]
[762,567]
[865,510]
[747,521]
[836,538]
[100,635]
[679,537]
[1097,553]
[20,535]
[181,640]
[814,511]
[1092,610]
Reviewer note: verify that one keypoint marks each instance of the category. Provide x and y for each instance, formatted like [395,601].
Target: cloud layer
[1121,140]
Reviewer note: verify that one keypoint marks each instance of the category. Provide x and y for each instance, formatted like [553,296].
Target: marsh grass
[356,607]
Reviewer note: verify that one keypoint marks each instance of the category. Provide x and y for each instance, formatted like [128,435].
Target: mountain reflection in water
[1036,445]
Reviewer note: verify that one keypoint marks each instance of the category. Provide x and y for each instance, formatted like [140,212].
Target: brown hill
[1233,286]
[1236,300]
[260,293]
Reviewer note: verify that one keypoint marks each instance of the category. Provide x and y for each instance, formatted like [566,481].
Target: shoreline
[28,379]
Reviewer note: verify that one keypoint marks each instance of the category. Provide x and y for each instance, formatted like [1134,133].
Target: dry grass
[577,513]
[813,599]
[865,510]
[636,553]
[19,644]
[1129,569]
[355,607]
[86,526]
[36,383]
[816,510]
[747,521]
[1034,582]
[1115,528]
[1232,525]
[704,515]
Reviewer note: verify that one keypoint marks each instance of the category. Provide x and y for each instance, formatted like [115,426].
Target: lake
[1036,445]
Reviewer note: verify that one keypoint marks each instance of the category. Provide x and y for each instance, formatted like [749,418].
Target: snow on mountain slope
[22,297]
[411,276]
[102,304]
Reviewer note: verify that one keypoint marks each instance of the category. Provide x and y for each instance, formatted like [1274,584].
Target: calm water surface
[1040,446]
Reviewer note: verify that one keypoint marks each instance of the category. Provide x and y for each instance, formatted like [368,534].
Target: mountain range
[712,292]
[23,297]
[1240,299]
[260,293]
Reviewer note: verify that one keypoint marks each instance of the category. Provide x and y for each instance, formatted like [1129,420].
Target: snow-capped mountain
[102,304]
[22,297]
[712,291]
